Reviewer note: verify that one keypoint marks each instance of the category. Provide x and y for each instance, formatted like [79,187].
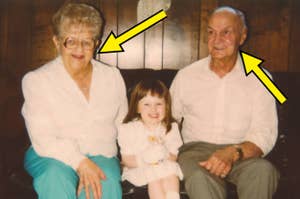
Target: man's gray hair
[234,11]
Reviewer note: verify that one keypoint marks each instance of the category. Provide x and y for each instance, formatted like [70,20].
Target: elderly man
[229,120]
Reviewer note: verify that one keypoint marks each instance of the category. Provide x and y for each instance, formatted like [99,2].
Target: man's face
[225,35]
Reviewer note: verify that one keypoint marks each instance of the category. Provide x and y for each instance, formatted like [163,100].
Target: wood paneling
[181,34]
[26,37]
[153,37]
[15,34]
[269,29]
[109,10]
[15,46]
[3,32]
[153,47]
[133,55]
[206,7]
[43,49]
[294,44]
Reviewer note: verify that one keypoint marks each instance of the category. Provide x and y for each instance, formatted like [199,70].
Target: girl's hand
[154,153]
[129,161]
[172,157]
[90,176]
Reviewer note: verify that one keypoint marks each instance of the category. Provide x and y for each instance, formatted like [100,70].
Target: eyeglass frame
[95,41]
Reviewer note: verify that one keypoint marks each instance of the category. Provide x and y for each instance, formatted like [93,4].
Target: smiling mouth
[218,48]
[154,116]
[78,56]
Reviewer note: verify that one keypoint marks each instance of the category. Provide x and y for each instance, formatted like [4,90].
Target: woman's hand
[90,176]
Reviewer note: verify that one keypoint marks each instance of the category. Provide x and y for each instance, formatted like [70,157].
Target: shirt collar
[238,67]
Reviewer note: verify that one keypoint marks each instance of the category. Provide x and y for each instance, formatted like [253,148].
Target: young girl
[149,140]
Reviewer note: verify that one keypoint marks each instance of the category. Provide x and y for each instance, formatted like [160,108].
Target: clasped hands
[220,162]
[90,176]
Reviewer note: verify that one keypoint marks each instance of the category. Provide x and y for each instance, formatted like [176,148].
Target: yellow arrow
[113,43]
[251,64]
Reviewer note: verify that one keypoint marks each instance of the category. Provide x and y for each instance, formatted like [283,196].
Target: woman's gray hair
[77,14]
[234,11]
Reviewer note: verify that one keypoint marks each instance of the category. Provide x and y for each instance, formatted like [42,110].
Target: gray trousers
[254,178]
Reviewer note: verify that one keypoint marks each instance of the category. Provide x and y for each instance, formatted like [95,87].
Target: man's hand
[220,162]
[90,176]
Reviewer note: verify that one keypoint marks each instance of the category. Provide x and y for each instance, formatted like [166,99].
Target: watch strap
[239,151]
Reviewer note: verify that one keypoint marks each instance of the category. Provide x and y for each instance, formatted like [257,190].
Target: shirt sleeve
[263,130]
[173,139]
[41,127]
[123,109]
[175,91]
[125,139]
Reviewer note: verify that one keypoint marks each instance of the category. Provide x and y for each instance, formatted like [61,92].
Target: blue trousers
[52,179]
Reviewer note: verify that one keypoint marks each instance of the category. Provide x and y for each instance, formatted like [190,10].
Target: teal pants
[52,179]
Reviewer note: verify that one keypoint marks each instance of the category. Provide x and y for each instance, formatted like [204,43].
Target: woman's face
[76,45]
[152,110]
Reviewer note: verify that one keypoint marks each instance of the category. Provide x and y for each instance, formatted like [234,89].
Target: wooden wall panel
[269,29]
[3,32]
[15,46]
[16,33]
[153,47]
[177,41]
[153,36]
[181,34]
[109,10]
[294,44]
[206,7]
[43,49]
[133,55]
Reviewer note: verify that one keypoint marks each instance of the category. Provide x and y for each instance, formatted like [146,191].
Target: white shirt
[61,123]
[228,110]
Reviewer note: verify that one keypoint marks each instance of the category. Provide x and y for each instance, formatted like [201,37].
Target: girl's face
[152,110]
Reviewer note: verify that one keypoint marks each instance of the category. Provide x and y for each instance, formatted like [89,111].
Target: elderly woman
[71,109]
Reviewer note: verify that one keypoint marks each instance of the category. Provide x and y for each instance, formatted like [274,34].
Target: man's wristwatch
[239,151]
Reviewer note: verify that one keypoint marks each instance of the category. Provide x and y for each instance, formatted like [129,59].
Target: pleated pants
[52,179]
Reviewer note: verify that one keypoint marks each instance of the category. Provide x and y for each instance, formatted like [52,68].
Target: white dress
[135,139]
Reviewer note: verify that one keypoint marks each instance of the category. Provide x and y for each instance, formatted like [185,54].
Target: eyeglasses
[86,44]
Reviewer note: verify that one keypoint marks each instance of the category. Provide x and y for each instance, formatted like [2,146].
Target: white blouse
[61,123]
